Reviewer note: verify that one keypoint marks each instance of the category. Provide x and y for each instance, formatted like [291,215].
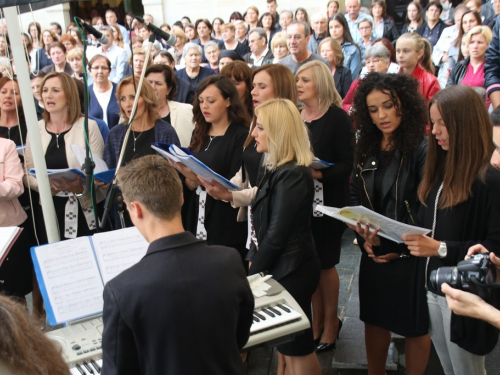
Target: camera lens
[449,275]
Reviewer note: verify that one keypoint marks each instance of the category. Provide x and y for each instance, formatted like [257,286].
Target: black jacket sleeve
[286,203]
[119,353]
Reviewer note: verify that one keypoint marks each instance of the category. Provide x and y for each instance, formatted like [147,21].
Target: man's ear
[136,209]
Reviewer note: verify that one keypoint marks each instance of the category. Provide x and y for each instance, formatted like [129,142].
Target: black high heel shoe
[325,347]
[316,341]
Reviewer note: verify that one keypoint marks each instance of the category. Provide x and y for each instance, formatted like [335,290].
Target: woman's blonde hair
[138,51]
[180,35]
[485,30]
[421,44]
[336,48]
[324,85]
[279,39]
[287,136]
[119,37]
[147,94]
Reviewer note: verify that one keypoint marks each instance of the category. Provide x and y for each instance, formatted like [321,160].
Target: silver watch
[442,250]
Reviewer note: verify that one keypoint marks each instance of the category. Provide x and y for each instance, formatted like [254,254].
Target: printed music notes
[72,273]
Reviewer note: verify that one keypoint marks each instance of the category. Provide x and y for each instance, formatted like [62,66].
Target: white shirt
[442,46]
[260,60]
[103,99]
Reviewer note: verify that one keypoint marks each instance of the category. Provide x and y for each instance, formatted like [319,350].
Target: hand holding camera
[476,274]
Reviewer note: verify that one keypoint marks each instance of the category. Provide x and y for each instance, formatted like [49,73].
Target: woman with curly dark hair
[390,117]
[219,134]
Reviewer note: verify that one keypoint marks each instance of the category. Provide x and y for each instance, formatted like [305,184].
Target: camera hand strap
[434,221]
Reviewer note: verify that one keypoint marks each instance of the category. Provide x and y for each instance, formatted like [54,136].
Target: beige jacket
[181,116]
[73,137]
[242,198]
[11,185]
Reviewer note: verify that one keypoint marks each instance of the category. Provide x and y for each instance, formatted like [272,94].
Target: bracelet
[79,195]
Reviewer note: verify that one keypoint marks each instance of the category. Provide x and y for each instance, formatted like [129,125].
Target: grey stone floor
[350,357]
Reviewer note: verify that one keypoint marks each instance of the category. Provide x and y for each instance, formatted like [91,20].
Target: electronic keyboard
[277,318]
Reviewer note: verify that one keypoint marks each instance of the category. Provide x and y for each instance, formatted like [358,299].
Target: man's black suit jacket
[185,308]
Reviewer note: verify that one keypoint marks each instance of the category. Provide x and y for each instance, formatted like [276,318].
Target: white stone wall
[56,13]
[174,10]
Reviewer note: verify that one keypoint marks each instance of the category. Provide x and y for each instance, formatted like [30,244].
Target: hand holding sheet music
[101,171]
[390,229]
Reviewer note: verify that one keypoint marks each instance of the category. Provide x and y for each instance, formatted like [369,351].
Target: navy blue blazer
[113,111]
[164,132]
[42,59]
[185,93]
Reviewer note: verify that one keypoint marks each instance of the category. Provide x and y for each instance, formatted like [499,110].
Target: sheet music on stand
[8,236]
[72,273]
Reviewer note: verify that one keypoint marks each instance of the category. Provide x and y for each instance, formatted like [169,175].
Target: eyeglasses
[296,37]
[102,68]
[365,28]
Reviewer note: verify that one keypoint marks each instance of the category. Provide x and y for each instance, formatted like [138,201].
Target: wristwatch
[442,250]
[79,195]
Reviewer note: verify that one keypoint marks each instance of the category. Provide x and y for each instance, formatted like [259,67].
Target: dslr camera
[476,275]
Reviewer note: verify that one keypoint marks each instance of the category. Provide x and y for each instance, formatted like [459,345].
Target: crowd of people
[400,115]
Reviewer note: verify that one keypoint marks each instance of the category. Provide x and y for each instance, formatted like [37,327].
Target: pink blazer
[11,185]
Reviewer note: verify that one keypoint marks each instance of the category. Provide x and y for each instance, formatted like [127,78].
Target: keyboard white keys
[273,317]
[277,329]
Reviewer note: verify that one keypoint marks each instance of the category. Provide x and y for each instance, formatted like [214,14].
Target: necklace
[310,119]
[212,137]
[135,138]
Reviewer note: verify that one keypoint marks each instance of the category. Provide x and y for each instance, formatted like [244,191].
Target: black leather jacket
[282,211]
[400,186]
[457,74]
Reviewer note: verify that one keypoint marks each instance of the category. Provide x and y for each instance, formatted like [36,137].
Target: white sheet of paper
[21,149]
[80,154]
[391,229]
[73,284]
[7,234]
[118,250]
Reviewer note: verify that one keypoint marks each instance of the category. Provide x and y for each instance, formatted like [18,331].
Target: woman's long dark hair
[409,104]
[339,17]
[347,33]
[470,146]
[236,112]
[457,42]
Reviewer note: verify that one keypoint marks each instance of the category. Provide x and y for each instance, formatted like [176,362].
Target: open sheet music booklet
[8,235]
[184,156]
[390,229]
[101,171]
[72,273]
